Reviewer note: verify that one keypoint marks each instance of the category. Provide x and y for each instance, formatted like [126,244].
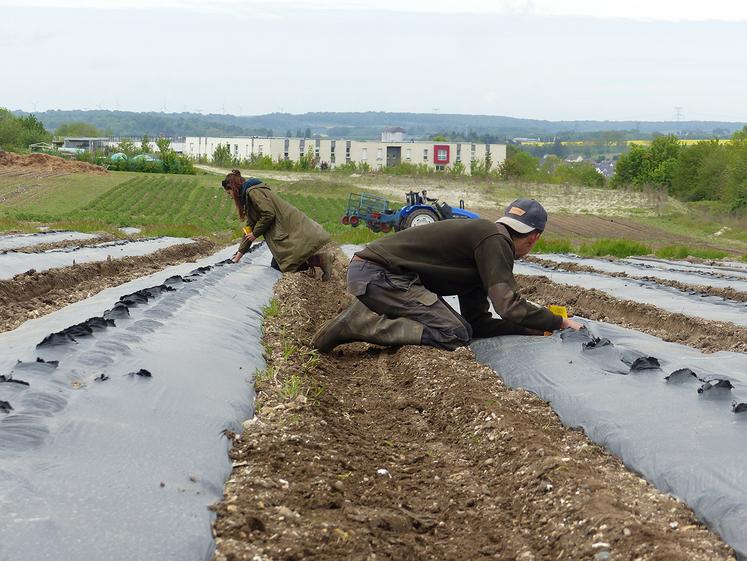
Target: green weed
[682,252]
[292,387]
[272,309]
[614,248]
[263,376]
[553,246]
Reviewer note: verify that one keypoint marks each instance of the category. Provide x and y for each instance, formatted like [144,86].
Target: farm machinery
[376,213]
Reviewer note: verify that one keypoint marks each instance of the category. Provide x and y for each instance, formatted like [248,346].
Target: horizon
[684,121]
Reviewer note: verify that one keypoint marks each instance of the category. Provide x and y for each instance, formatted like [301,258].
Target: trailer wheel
[420,217]
[354,221]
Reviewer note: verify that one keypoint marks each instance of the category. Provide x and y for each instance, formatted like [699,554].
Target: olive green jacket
[473,259]
[291,235]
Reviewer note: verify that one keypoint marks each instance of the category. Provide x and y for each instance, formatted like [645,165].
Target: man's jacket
[472,259]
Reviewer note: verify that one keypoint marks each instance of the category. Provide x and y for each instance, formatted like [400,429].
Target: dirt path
[32,294]
[416,453]
[701,289]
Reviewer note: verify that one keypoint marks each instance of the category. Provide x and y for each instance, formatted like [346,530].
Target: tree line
[17,133]
[710,170]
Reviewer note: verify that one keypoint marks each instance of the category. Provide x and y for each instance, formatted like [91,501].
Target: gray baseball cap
[524,215]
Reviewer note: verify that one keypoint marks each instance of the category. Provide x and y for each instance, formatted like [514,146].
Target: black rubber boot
[324,260]
[358,323]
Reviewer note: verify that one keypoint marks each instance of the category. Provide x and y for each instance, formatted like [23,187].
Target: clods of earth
[416,453]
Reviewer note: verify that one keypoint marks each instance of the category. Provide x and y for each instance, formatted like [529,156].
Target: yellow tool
[558,311]
[247,230]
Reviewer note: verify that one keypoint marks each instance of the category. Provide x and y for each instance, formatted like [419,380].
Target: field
[514,448]
[196,206]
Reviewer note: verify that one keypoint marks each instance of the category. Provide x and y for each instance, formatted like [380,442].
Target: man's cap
[524,215]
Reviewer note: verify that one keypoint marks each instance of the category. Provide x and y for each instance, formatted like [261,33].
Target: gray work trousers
[405,296]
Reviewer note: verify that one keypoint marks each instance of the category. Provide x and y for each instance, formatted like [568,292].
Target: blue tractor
[374,211]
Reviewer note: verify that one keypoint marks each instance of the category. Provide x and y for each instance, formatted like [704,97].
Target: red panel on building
[441,154]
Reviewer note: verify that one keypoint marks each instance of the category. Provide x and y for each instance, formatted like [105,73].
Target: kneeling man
[399,283]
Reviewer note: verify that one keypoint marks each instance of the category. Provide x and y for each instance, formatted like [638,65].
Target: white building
[333,153]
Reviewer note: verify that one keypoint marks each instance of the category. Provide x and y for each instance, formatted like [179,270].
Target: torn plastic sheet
[661,428]
[14,241]
[637,268]
[102,460]
[646,292]
[12,263]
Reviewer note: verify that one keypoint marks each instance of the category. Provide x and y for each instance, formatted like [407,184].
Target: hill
[368,124]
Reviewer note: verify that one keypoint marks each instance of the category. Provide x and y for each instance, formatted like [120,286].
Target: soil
[708,336]
[43,165]
[33,294]
[416,453]
[582,227]
[700,289]
[480,194]
[41,247]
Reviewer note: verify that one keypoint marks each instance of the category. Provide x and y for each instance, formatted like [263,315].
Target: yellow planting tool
[558,311]
[247,230]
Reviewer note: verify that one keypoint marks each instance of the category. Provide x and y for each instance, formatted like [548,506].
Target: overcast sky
[543,59]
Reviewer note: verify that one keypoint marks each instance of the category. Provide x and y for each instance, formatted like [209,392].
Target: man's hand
[237,257]
[569,323]
[251,237]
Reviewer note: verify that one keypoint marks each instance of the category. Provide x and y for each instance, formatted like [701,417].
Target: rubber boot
[358,323]
[324,260]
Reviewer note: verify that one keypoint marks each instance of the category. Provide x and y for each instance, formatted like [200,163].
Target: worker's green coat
[291,235]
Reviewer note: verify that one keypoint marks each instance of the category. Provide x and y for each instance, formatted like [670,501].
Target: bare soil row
[34,294]
[708,336]
[726,293]
[416,453]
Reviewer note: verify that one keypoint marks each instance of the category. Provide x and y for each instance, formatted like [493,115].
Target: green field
[158,204]
[196,206]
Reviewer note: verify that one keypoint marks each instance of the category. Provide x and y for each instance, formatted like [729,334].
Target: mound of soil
[31,294]
[46,164]
[725,293]
[416,453]
[42,247]
[708,336]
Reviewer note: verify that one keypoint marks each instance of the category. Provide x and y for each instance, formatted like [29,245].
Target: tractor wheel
[420,217]
[354,221]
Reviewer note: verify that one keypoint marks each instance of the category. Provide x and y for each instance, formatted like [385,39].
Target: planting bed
[14,263]
[678,420]
[113,412]
[16,241]
[685,273]
[416,453]
[710,269]
[646,292]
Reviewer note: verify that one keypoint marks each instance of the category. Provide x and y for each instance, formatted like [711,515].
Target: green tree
[127,147]
[77,128]
[164,145]
[518,164]
[16,133]
[307,133]
[145,144]
[222,155]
